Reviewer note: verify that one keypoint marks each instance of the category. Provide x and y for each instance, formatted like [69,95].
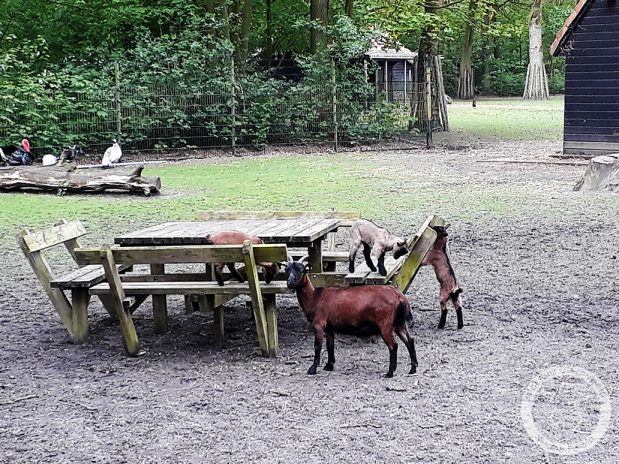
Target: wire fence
[163,118]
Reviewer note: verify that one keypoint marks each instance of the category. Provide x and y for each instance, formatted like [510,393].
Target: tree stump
[63,181]
[602,174]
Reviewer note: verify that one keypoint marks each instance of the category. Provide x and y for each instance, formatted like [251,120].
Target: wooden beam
[160,305]
[256,297]
[411,265]
[271,318]
[39,240]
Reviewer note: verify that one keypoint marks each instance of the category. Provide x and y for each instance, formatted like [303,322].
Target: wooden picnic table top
[297,231]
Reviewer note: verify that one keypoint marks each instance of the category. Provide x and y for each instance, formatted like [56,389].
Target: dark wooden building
[589,40]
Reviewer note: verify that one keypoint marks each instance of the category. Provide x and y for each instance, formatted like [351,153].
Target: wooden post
[80,299]
[386,81]
[130,336]
[334,97]
[428,102]
[405,72]
[315,256]
[117,101]
[271,314]
[160,307]
[256,297]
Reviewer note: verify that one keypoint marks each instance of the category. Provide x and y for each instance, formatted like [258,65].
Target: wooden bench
[117,287]
[402,271]
[73,311]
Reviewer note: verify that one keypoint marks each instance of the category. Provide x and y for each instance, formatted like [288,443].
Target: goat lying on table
[235,237]
[438,258]
[376,242]
[363,310]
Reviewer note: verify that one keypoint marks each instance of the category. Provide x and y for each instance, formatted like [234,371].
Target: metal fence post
[334,101]
[428,65]
[233,108]
[117,102]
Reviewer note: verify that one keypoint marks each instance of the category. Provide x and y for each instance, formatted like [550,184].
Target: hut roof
[380,51]
[570,23]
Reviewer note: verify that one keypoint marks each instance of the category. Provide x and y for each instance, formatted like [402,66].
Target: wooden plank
[130,337]
[329,279]
[411,265]
[256,297]
[44,274]
[189,288]
[613,147]
[183,254]
[358,277]
[392,266]
[39,240]
[315,256]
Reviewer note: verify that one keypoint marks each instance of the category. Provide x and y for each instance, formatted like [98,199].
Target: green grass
[509,118]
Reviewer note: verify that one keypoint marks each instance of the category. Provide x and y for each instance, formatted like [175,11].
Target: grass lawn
[509,118]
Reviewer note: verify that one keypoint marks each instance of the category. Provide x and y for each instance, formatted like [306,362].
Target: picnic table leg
[218,325]
[160,307]
[315,255]
[271,313]
[79,314]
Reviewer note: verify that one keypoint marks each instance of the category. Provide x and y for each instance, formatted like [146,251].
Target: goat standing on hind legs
[450,290]
[363,310]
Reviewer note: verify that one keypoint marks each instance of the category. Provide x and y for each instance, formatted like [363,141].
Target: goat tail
[208,240]
[455,293]
[403,312]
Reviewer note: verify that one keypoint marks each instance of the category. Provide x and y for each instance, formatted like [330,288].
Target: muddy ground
[540,289]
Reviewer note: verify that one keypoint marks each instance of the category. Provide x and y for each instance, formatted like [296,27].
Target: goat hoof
[413,370]
[441,326]
[460,326]
[311,370]
[383,272]
[221,284]
[389,374]
[328,367]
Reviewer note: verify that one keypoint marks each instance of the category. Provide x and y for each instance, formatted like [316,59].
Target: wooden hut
[588,40]
[393,76]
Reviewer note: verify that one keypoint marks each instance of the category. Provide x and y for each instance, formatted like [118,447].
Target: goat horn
[304,259]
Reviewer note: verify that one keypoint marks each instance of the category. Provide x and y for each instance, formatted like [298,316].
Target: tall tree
[466,78]
[319,12]
[536,84]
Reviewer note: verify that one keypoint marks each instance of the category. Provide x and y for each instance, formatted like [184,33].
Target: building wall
[592,82]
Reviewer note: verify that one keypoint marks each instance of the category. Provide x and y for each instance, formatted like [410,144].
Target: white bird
[112,154]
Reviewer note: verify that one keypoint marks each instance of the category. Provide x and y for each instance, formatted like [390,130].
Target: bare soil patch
[538,265]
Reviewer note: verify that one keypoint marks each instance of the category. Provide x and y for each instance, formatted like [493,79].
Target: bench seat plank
[191,288]
[83,277]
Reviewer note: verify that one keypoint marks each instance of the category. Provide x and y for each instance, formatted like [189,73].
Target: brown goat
[234,237]
[362,310]
[438,258]
[376,242]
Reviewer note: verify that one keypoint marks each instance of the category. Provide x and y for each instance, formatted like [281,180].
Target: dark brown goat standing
[438,258]
[235,237]
[376,242]
[363,310]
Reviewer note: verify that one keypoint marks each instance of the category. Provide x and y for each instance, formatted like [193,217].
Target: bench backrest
[184,254]
[34,243]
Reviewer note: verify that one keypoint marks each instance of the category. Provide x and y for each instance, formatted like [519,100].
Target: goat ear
[446,226]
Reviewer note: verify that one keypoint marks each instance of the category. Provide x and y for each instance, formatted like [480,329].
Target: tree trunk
[243,45]
[466,79]
[348,8]
[428,49]
[319,11]
[601,174]
[485,48]
[269,30]
[536,84]
[61,181]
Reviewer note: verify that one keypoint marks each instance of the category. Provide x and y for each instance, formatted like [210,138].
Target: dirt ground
[540,290]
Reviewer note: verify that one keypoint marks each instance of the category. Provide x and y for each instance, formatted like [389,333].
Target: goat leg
[367,253]
[387,334]
[441,322]
[381,264]
[408,340]
[318,336]
[330,351]
[237,275]
[218,276]
[460,319]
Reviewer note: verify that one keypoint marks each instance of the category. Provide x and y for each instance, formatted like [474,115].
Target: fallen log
[601,174]
[64,181]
